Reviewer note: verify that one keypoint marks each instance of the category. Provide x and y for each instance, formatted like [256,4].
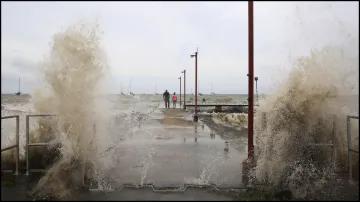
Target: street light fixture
[196,57]
[184,88]
[180,90]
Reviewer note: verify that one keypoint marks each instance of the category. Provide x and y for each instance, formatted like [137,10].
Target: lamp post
[184,88]
[196,56]
[180,90]
[251,80]
[257,95]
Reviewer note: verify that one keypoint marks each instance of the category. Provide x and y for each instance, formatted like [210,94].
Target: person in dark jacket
[166,97]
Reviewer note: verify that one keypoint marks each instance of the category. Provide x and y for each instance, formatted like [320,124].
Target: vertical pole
[348,127]
[251,80]
[184,89]
[180,91]
[17,145]
[257,95]
[333,141]
[196,116]
[27,144]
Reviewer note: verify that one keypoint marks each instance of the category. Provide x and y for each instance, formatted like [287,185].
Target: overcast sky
[150,43]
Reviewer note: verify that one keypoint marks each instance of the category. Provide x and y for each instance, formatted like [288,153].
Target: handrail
[28,144]
[16,145]
[350,149]
[332,144]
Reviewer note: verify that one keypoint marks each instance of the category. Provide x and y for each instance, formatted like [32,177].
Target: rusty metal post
[184,88]
[251,80]
[196,60]
[196,87]
[180,92]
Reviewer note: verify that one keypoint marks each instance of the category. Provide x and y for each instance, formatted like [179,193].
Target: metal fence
[332,144]
[16,145]
[28,144]
[264,123]
[350,149]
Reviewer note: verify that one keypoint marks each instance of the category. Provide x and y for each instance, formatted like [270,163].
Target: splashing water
[144,157]
[317,88]
[211,165]
[236,120]
[73,72]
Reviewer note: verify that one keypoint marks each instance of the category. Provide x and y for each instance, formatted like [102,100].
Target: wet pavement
[18,192]
[131,194]
[16,189]
[167,151]
[176,151]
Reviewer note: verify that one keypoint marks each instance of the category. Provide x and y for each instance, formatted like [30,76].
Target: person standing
[174,99]
[166,97]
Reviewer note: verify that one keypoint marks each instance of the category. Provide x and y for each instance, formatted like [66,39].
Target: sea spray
[145,152]
[237,120]
[210,167]
[300,113]
[72,73]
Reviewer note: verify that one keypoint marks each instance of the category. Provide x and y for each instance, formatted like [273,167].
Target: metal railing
[332,144]
[350,149]
[28,144]
[16,145]
[264,122]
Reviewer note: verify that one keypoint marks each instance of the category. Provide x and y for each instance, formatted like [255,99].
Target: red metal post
[251,80]
[184,88]
[196,116]
[180,91]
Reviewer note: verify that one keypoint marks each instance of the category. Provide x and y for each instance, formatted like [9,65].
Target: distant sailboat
[18,93]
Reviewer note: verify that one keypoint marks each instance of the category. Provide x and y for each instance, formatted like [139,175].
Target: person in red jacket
[174,99]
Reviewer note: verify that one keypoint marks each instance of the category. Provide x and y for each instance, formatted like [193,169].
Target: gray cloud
[151,42]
